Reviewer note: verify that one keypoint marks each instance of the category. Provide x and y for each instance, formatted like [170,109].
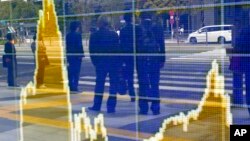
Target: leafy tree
[59,5]
[17,9]
[148,4]
[5,10]
[91,6]
[84,9]
[22,9]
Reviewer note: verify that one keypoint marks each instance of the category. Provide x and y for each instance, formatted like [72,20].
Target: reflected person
[43,61]
[75,54]
[150,59]
[33,48]
[104,43]
[127,47]
[240,65]
[10,51]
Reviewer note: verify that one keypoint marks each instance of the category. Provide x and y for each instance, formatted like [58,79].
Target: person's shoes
[74,90]
[143,113]
[111,111]
[132,99]
[93,109]
[13,86]
[156,112]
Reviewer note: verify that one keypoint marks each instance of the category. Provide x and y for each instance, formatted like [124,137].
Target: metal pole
[172,32]
[177,27]
[177,23]
[206,38]
[202,13]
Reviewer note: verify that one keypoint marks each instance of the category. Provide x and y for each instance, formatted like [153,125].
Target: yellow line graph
[46,105]
[212,117]
[46,102]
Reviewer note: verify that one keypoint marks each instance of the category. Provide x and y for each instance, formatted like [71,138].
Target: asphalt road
[182,77]
[182,84]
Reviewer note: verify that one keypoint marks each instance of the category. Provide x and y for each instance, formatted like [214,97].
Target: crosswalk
[183,77]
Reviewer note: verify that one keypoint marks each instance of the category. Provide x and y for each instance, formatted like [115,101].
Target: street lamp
[202,13]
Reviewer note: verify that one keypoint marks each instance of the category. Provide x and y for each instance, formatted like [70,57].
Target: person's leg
[130,77]
[247,82]
[143,81]
[154,95]
[101,74]
[113,77]
[77,75]
[10,76]
[237,88]
[34,60]
[15,74]
[40,74]
[76,68]
[70,78]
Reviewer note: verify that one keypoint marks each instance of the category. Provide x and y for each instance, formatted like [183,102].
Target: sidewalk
[124,121]
[119,124]
[174,41]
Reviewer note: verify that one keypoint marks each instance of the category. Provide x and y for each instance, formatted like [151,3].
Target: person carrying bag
[9,60]
[6,61]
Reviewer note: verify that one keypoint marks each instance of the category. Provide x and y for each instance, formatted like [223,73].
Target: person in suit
[127,46]
[104,43]
[150,59]
[75,53]
[10,51]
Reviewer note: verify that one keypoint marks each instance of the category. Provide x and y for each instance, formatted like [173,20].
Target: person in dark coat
[240,65]
[42,62]
[103,45]
[10,51]
[33,47]
[150,59]
[127,46]
[75,54]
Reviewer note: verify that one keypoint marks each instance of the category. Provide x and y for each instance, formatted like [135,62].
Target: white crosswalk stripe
[190,89]
[168,77]
[185,73]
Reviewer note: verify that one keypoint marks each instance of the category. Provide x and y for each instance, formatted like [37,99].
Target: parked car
[211,34]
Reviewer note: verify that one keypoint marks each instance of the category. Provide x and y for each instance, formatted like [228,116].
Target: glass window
[140,64]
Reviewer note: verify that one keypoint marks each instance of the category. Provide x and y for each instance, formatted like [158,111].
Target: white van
[213,33]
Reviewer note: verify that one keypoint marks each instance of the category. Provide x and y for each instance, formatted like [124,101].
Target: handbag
[4,61]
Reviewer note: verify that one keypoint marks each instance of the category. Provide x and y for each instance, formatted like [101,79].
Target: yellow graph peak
[83,130]
[213,115]
[45,103]
[50,65]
